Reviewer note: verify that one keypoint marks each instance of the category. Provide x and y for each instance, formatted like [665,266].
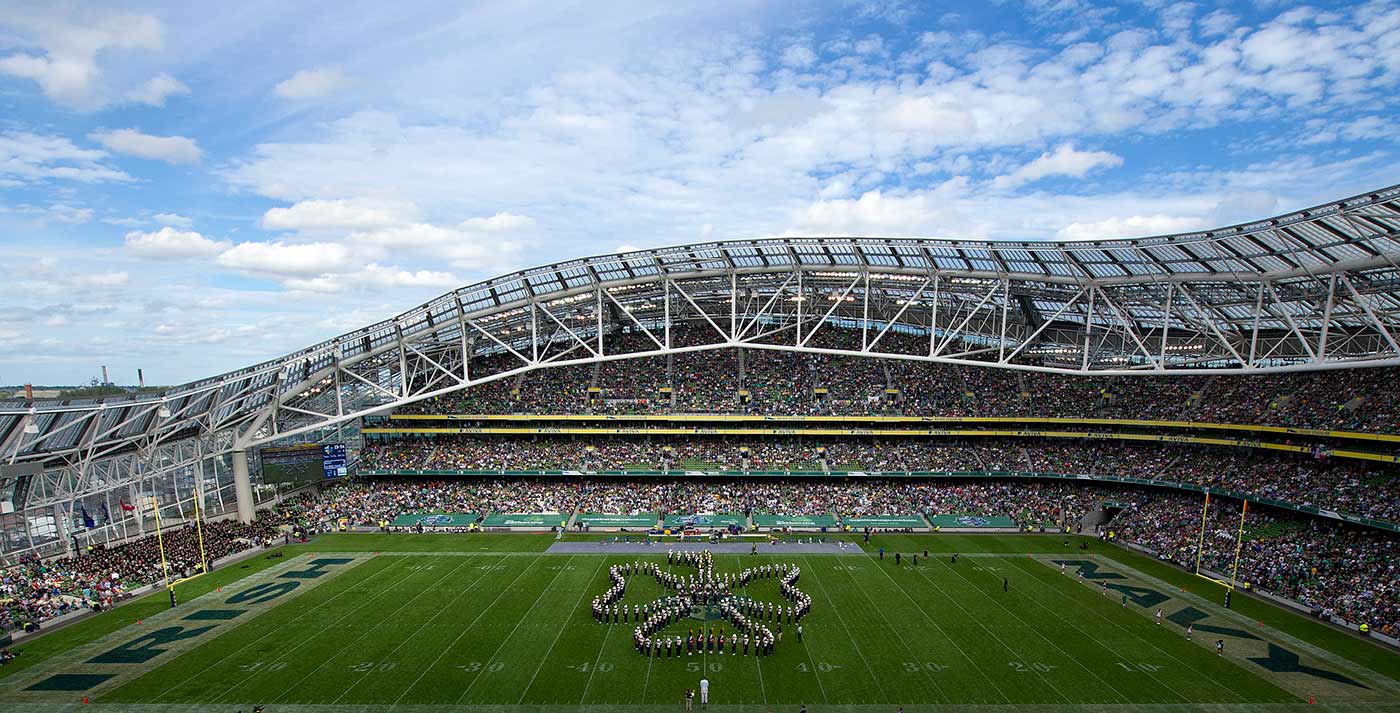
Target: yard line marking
[1047,639]
[426,622]
[603,647]
[464,631]
[582,592]
[1205,675]
[849,635]
[758,661]
[492,658]
[364,633]
[970,661]
[881,611]
[337,595]
[993,636]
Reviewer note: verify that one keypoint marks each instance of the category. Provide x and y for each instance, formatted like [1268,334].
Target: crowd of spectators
[1344,485]
[33,590]
[1337,569]
[789,383]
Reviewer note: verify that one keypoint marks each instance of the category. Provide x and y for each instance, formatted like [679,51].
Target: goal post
[1239,546]
[160,543]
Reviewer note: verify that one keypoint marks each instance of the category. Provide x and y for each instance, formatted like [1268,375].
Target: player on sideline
[1189,629]
[1159,617]
[704,692]
[1219,647]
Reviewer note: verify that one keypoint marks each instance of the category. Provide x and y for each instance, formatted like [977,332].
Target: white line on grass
[849,634]
[1048,640]
[881,611]
[365,632]
[990,633]
[465,629]
[758,660]
[1092,610]
[992,682]
[583,592]
[426,622]
[601,648]
[293,620]
[492,659]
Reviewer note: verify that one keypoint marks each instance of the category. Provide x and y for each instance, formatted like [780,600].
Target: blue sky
[192,189]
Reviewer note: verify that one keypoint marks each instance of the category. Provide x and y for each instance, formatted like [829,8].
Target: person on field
[704,692]
[689,700]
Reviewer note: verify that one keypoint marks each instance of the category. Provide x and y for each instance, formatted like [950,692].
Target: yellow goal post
[1233,582]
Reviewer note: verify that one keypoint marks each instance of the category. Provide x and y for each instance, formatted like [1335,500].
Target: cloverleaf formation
[748,616]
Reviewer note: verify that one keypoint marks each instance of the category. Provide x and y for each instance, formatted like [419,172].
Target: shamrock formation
[748,616]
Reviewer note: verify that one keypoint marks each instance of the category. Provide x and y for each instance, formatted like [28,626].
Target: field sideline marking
[285,652]
[368,630]
[464,631]
[1031,571]
[832,603]
[1057,647]
[891,627]
[971,662]
[294,619]
[993,636]
[573,611]
[492,658]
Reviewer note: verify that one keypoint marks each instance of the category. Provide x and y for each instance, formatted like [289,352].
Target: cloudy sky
[190,190]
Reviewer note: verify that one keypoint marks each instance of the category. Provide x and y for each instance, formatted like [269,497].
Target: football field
[495,622]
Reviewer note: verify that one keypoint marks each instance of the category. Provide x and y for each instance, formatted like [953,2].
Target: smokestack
[28,392]
[104,374]
[140,379]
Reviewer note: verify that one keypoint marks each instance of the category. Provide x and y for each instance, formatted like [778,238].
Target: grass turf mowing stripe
[1209,677]
[371,689]
[467,659]
[825,611]
[514,656]
[1018,688]
[369,659]
[1038,657]
[1104,650]
[885,655]
[186,679]
[889,626]
[969,691]
[566,625]
[284,663]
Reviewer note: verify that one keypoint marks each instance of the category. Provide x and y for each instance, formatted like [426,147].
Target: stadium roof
[1311,289]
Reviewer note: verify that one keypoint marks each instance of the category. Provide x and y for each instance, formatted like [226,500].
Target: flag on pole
[128,507]
[87,520]
[106,514]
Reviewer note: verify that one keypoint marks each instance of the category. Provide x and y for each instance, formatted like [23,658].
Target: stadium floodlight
[30,427]
[164,410]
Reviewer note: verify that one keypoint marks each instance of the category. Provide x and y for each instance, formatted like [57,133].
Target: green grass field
[378,622]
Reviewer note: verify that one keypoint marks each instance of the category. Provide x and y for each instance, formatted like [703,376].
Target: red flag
[126,505]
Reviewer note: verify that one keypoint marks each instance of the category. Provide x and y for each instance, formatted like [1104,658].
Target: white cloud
[172,244]
[27,157]
[62,43]
[799,56]
[312,84]
[156,90]
[174,219]
[1063,161]
[373,277]
[103,279]
[331,215]
[277,258]
[1133,226]
[64,213]
[170,149]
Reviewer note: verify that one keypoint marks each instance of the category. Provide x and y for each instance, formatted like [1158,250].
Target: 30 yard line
[426,622]
[465,629]
[971,662]
[491,659]
[993,636]
[897,635]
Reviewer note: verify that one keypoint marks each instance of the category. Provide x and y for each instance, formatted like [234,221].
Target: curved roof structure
[1313,289]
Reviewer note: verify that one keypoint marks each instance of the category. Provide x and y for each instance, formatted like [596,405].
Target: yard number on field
[914,667]
[1021,667]
[602,667]
[822,666]
[475,666]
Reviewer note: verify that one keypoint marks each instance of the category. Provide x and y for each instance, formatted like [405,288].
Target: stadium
[845,473]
